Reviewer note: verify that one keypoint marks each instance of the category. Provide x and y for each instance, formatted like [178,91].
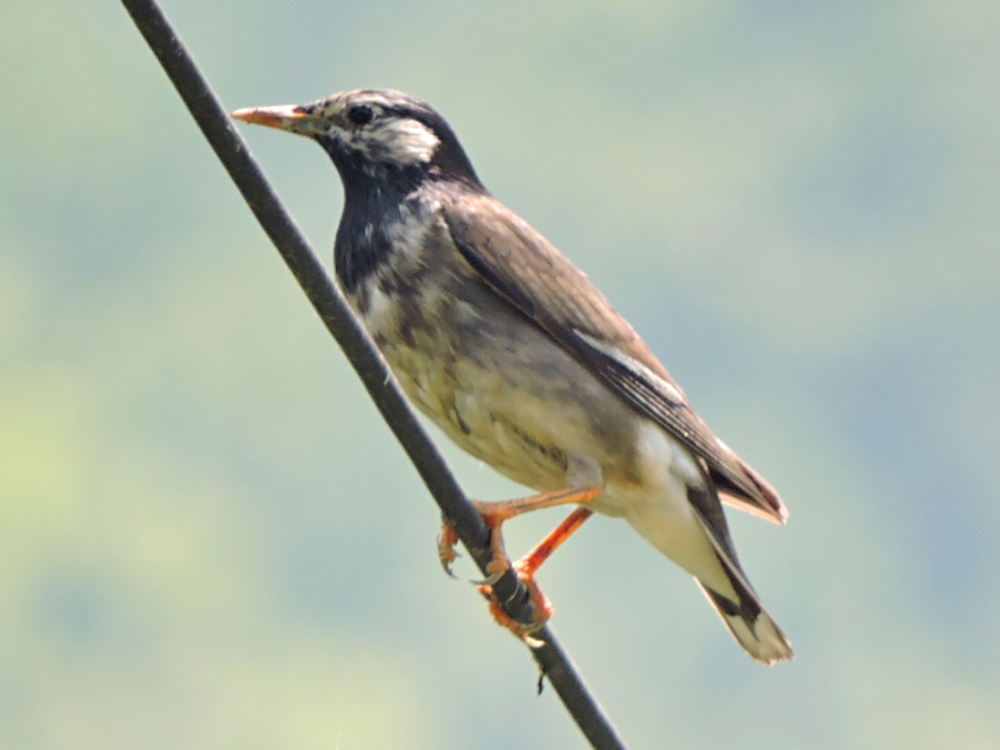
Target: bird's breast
[492,380]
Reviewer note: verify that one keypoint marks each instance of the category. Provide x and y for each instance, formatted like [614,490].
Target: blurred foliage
[209,540]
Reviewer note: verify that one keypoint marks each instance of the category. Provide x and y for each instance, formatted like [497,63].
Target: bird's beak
[290,117]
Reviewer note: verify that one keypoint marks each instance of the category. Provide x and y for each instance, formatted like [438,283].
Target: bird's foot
[494,515]
[542,608]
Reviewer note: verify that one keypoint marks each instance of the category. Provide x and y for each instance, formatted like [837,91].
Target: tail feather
[737,603]
[695,535]
[750,624]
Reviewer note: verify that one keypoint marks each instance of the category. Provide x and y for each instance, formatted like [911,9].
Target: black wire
[335,313]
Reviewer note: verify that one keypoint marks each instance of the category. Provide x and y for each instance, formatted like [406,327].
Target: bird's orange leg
[526,568]
[528,565]
[494,514]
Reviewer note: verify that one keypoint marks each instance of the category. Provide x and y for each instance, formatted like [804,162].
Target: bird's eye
[360,114]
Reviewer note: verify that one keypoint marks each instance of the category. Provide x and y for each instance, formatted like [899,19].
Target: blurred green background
[208,539]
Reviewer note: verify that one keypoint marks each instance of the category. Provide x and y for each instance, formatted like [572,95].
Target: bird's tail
[748,621]
[699,542]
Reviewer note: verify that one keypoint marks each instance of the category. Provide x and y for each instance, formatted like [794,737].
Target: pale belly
[538,415]
[506,393]
[502,390]
[519,403]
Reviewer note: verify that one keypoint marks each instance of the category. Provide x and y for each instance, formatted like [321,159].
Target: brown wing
[563,302]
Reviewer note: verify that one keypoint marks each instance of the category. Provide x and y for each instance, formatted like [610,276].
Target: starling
[509,349]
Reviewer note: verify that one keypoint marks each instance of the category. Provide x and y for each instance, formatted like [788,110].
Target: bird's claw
[541,610]
[447,553]
[494,569]
[487,582]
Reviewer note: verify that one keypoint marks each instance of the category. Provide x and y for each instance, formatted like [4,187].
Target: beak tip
[246,114]
[273,117]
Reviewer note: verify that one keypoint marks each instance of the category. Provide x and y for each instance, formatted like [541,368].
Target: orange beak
[285,117]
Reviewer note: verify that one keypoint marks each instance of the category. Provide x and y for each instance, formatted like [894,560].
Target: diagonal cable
[335,313]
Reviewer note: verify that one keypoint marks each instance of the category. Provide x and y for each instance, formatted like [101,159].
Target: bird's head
[374,134]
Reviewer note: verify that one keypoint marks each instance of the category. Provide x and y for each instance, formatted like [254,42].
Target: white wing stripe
[631,363]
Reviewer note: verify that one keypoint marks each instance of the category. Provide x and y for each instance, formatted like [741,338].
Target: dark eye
[360,114]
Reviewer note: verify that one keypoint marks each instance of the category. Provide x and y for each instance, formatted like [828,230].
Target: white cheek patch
[395,141]
[404,141]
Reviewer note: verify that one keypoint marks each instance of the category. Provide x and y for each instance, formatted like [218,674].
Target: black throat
[375,196]
[373,204]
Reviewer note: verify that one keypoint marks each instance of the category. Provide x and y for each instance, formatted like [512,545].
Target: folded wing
[561,300]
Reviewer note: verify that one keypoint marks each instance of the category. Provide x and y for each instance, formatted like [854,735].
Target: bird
[508,348]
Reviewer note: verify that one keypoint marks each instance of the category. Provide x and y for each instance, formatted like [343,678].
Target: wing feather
[563,302]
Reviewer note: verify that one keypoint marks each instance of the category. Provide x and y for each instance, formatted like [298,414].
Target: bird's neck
[372,205]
